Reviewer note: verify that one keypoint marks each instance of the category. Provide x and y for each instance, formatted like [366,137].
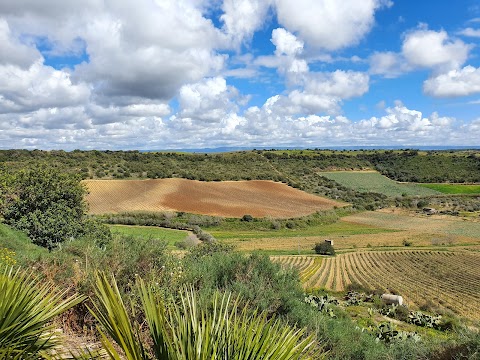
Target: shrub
[247,218]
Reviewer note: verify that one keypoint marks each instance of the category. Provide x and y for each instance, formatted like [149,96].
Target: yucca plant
[186,331]
[27,308]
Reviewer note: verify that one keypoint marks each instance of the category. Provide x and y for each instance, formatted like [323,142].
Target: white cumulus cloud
[462,82]
[328,24]
[428,48]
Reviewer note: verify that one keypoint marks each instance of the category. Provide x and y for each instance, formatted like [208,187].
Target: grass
[453,188]
[168,235]
[375,182]
[338,228]
[18,242]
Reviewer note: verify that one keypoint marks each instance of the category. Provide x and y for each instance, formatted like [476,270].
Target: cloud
[421,48]
[470,32]
[328,24]
[39,86]
[432,49]
[242,18]
[463,82]
[140,50]
[272,124]
[12,51]
[159,74]
[389,64]
[286,43]
[210,100]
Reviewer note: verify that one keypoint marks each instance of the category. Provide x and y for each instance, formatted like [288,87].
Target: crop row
[446,280]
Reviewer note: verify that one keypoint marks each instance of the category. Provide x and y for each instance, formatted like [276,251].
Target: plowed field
[228,198]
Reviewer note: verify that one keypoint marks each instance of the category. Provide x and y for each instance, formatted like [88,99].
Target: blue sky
[167,74]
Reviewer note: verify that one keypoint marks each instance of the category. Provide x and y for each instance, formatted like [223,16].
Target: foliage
[187,331]
[209,249]
[434,167]
[47,205]
[7,257]
[177,221]
[355,298]
[387,332]
[26,310]
[322,303]
[259,282]
[324,248]
[247,218]
[96,231]
[376,183]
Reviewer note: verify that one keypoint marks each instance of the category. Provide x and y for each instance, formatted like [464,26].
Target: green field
[371,181]
[453,188]
[338,228]
[168,235]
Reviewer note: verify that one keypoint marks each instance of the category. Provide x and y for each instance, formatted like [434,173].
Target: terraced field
[227,199]
[372,181]
[449,280]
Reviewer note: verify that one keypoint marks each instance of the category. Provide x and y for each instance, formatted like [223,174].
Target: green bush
[324,248]
[247,218]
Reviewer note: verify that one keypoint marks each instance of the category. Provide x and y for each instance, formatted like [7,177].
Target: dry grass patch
[227,199]
[392,219]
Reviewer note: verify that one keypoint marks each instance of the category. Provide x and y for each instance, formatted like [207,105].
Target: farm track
[448,280]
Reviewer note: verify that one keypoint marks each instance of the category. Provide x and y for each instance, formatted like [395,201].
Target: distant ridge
[249,148]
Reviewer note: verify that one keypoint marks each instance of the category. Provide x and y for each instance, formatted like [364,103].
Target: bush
[324,248]
[247,218]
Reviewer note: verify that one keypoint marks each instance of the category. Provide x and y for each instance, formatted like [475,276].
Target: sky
[192,74]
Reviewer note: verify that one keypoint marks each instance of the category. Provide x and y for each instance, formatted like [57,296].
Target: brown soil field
[258,198]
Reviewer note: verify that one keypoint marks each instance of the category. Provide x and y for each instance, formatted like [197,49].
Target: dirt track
[258,198]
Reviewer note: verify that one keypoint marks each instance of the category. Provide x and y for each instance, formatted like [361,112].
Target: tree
[324,248]
[46,204]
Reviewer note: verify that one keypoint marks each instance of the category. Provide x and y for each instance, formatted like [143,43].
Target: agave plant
[27,308]
[187,331]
